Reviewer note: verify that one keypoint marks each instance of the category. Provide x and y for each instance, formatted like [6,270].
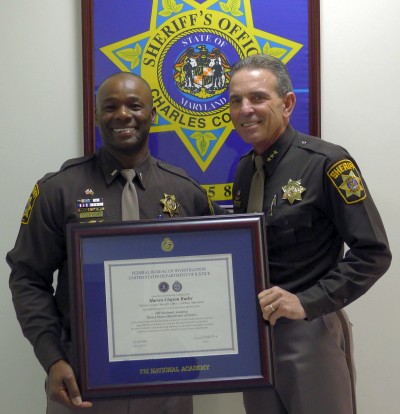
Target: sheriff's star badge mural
[186,56]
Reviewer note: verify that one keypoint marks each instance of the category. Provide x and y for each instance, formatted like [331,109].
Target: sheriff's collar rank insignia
[171,206]
[347,180]
[292,191]
[272,156]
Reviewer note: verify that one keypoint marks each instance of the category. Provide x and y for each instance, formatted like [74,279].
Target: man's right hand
[62,386]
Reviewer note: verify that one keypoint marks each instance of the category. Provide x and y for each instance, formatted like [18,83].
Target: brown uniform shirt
[86,189]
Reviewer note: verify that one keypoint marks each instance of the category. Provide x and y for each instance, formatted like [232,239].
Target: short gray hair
[270,63]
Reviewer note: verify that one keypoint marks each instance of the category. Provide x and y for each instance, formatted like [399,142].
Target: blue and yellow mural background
[184,49]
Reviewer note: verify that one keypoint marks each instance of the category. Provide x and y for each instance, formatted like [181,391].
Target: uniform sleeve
[204,204]
[39,251]
[210,208]
[216,210]
[359,224]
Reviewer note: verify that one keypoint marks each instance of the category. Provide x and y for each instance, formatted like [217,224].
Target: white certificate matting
[170,307]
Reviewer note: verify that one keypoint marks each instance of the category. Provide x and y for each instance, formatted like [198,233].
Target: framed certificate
[169,307]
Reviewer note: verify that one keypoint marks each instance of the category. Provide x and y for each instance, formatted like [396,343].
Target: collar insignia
[292,191]
[171,206]
[272,156]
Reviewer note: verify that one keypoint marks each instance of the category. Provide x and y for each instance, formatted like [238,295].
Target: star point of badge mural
[171,206]
[351,184]
[292,191]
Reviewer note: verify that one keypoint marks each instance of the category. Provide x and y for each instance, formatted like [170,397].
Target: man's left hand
[278,303]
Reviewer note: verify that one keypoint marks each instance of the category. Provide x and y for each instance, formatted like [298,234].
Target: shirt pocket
[290,227]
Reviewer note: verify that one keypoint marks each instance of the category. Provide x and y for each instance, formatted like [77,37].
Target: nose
[123,112]
[246,107]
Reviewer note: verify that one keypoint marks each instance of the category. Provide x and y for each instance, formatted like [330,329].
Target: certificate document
[170,307]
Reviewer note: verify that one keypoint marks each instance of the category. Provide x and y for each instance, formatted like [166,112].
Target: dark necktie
[129,200]
[256,196]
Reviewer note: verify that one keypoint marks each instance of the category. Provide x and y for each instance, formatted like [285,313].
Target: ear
[153,115]
[96,116]
[289,102]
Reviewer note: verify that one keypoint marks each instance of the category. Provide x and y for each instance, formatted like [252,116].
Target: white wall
[41,126]
[360,110]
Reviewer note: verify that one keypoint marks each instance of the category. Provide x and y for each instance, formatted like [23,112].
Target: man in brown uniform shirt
[124,113]
[315,201]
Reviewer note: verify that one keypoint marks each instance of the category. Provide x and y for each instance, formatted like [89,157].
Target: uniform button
[345,300]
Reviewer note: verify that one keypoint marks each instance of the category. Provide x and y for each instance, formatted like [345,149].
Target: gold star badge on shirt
[171,206]
[292,191]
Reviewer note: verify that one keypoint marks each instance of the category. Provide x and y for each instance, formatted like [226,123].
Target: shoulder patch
[29,205]
[347,181]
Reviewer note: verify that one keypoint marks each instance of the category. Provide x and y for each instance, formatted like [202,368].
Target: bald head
[120,78]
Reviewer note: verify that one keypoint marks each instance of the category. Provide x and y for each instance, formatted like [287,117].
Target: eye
[258,98]
[135,106]
[109,108]
[234,100]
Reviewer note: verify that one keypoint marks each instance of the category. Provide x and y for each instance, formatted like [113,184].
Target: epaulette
[76,161]
[67,164]
[318,145]
[179,172]
[171,168]
[342,170]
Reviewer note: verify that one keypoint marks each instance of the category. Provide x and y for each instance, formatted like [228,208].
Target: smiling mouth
[123,130]
[250,124]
